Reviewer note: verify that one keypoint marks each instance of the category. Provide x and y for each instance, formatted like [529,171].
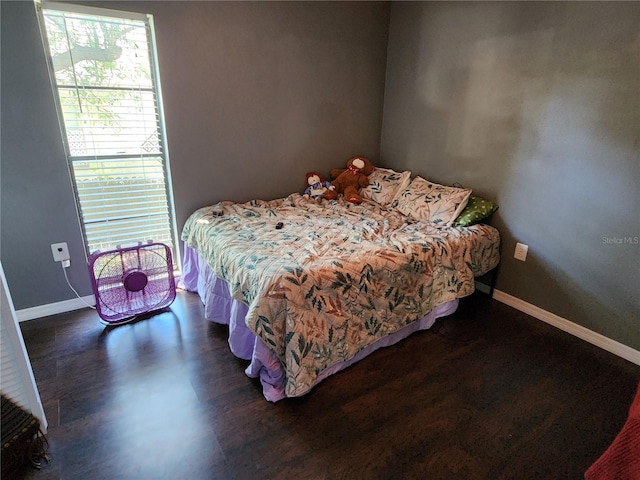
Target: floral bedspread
[336,276]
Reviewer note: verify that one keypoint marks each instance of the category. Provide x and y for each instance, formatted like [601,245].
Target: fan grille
[131,281]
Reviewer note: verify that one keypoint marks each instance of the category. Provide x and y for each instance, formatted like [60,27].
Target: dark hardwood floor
[488,393]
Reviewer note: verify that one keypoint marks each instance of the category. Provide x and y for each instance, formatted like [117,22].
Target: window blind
[111,117]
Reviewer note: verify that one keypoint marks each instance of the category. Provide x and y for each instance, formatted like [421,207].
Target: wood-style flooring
[488,393]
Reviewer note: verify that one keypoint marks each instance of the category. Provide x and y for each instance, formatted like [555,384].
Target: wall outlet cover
[521,251]
[60,251]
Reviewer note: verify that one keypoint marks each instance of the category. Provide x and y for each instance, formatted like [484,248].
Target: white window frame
[155,78]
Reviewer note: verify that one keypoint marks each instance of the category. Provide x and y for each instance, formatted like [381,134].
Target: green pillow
[477,209]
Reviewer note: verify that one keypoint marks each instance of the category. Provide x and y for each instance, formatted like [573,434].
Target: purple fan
[130,281]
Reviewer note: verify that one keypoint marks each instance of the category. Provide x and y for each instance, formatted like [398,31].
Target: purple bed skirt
[220,307]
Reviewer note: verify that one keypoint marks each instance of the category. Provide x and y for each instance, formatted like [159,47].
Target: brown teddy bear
[349,182]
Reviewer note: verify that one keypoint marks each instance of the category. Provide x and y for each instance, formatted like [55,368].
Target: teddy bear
[349,182]
[318,188]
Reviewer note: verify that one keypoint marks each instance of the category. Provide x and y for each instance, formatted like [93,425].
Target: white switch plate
[60,251]
[521,251]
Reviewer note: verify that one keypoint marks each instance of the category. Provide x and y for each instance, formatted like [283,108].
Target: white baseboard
[64,306]
[576,330]
[54,308]
[563,324]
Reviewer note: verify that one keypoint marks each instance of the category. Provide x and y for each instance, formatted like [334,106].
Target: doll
[318,188]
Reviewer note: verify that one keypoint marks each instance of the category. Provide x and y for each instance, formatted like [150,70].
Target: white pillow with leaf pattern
[385,185]
[430,202]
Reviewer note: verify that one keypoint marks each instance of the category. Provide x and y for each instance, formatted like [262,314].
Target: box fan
[129,281]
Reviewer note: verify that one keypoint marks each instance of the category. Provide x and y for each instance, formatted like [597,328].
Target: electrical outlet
[521,251]
[60,252]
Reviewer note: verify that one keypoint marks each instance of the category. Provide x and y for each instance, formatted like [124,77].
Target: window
[103,68]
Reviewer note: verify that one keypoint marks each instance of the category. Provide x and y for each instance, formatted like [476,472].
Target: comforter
[334,277]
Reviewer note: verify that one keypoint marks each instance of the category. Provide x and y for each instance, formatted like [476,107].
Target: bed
[310,287]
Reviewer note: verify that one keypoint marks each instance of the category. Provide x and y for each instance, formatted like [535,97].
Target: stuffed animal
[349,182]
[367,169]
[318,188]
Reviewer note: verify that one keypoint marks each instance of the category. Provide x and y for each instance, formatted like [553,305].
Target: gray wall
[255,95]
[36,198]
[535,106]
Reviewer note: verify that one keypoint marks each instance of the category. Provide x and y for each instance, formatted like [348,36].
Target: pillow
[385,185]
[477,209]
[429,202]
